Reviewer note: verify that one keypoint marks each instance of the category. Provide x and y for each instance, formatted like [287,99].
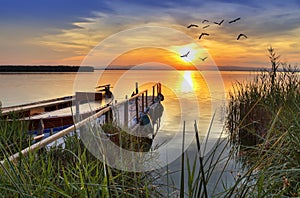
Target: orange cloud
[74,60]
[151,55]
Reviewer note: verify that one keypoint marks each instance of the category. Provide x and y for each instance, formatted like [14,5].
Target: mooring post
[146,98]
[159,84]
[108,116]
[137,109]
[77,111]
[143,109]
[136,88]
[159,87]
[126,112]
[41,127]
[153,93]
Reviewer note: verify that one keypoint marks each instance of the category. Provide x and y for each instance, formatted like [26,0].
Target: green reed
[253,105]
[263,120]
[72,171]
[14,136]
[69,171]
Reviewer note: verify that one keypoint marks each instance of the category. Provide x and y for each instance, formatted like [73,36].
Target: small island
[38,69]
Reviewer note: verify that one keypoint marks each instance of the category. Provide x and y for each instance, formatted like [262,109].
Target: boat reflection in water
[140,137]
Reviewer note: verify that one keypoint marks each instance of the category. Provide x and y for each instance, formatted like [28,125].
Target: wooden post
[136,88]
[137,109]
[108,116]
[126,112]
[41,127]
[153,93]
[159,87]
[77,111]
[146,98]
[143,109]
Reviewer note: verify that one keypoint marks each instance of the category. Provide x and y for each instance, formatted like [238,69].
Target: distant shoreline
[220,68]
[66,69]
[43,69]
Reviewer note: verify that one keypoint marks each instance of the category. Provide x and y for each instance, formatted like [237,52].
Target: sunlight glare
[187,82]
[194,52]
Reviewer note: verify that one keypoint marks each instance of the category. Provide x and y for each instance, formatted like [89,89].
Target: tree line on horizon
[58,68]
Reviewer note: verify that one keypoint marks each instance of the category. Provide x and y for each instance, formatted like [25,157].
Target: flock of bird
[207,34]
[217,23]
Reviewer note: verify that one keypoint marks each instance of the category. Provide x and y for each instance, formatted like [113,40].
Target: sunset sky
[52,32]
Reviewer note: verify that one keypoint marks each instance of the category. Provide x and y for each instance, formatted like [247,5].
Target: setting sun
[189,53]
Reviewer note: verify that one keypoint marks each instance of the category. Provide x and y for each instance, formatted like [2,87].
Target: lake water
[189,96]
[24,88]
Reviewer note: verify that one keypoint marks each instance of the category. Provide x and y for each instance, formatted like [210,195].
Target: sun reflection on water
[187,83]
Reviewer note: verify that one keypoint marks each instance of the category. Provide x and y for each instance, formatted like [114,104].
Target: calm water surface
[23,88]
[189,96]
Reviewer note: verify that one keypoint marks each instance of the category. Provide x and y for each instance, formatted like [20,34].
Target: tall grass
[253,105]
[264,121]
[13,135]
[72,171]
[69,171]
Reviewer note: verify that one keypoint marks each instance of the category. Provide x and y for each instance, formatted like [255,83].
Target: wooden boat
[50,116]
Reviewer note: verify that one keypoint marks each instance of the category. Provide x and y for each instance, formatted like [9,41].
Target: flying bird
[203,34]
[205,21]
[234,20]
[205,26]
[192,25]
[203,59]
[240,35]
[185,55]
[219,22]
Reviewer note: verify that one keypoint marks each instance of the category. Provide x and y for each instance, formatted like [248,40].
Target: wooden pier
[129,111]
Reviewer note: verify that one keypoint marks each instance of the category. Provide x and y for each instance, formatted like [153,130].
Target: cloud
[72,28]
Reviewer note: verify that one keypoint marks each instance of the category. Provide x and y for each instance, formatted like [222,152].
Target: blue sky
[64,31]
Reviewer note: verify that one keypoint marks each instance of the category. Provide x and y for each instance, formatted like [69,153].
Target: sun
[188,53]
